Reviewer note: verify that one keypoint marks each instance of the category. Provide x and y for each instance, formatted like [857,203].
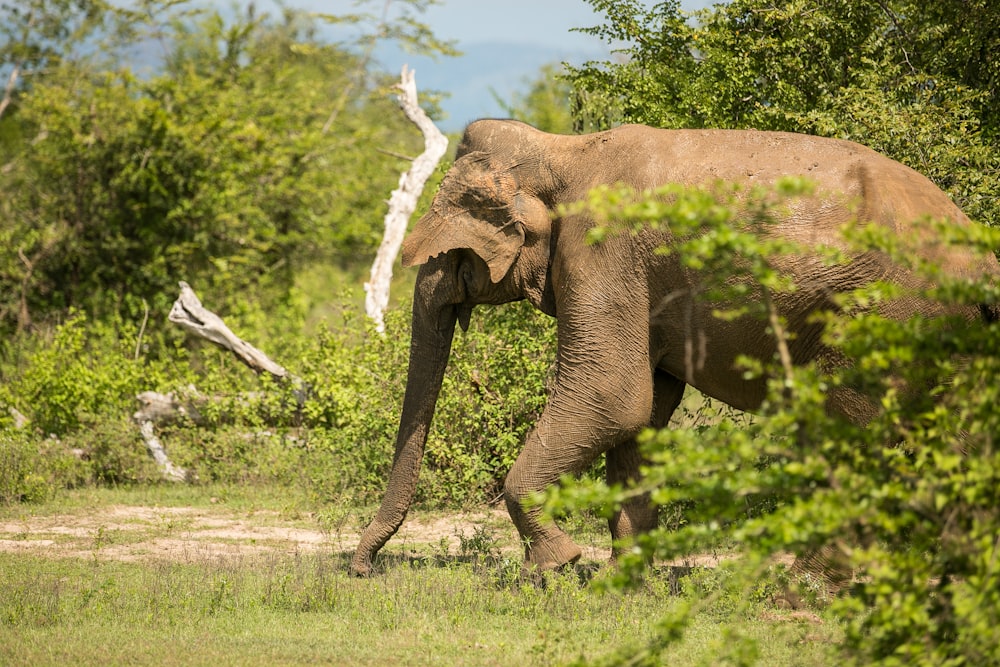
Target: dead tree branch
[404,199]
[192,316]
[170,471]
[156,408]
[8,92]
[166,408]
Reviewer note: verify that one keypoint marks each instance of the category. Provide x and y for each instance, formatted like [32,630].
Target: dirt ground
[196,534]
[187,534]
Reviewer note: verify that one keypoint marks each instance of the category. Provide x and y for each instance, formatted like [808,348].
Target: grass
[275,607]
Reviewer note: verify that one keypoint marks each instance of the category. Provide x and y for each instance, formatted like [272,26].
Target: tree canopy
[246,148]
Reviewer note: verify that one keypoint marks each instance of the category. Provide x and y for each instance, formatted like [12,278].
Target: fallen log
[163,409]
[20,421]
[169,470]
[157,409]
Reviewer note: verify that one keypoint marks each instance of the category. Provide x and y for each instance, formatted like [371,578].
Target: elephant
[627,316]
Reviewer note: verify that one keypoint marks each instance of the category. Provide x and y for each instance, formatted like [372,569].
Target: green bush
[199,169]
[332,433]
[20,480]
[33,469]
[83,371]
[112,452]
[493,393]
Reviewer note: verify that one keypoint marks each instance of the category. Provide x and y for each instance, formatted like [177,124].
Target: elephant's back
[853,183]
[697,157]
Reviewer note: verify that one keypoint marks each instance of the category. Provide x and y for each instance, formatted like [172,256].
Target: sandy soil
[188,533]
[136,533]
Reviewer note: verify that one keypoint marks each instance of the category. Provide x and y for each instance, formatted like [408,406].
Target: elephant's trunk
[430,346]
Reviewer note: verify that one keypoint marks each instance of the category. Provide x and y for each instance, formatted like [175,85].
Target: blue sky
[510,21]
[505,43]
[519,21]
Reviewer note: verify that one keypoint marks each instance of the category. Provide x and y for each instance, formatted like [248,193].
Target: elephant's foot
[826,571]
[546,547]
[551,553]
[636,518]
[361,565]
[374,538]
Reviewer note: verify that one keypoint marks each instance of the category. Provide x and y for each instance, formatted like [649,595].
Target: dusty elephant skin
[626,314]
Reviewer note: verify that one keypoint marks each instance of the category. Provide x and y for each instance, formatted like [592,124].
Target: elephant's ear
[433,235]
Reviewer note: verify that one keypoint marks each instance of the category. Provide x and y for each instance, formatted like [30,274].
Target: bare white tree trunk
[403,201]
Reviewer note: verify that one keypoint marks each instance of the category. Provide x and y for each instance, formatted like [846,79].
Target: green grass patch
[306,609]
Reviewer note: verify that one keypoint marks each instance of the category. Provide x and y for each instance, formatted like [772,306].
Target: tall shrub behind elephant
[629,317]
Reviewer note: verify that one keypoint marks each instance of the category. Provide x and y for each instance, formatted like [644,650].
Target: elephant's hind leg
[638,515]
[580,422]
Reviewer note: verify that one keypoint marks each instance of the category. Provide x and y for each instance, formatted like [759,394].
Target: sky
[505,44]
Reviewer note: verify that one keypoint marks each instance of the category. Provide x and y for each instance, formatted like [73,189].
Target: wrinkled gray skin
[631,335]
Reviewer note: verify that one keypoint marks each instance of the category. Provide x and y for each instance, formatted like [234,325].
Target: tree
[37,35]
[546,104]
[229,169]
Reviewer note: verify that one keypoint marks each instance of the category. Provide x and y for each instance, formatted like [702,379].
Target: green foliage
[40,34]
[908,500]
[493,392]
[85,370]
[331,433]
[902,499]
[112,453]
[546,104]
[232,168]
[22,474]
[76,388]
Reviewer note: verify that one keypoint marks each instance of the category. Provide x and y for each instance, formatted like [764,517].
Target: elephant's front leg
[598,403]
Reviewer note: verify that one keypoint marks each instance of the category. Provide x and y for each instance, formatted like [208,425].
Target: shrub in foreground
[903,509]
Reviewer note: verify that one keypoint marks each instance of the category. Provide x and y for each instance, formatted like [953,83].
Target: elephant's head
[493,208]
[485,239]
